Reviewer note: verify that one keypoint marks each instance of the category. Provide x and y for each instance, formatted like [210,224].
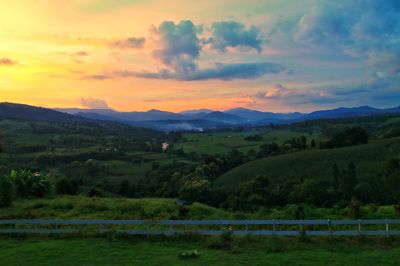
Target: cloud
[7,62]
[80,53]
[364,29]
[234,34]
[98,77]
[93,103]
[130,43]
[179,45]
[294,96]
[220,71]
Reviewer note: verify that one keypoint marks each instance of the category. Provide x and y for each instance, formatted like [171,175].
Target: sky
[174,55]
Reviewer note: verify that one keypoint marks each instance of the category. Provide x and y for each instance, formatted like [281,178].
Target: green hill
[369,160]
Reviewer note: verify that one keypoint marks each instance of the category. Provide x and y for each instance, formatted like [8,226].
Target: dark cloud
[221,72]
[7,62]
[93,103]
[234,34]
[178,46]
[133,42]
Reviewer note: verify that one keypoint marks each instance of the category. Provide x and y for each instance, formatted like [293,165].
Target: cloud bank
[220,71]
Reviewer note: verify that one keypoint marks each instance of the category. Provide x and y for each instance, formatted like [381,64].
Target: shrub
[189,254]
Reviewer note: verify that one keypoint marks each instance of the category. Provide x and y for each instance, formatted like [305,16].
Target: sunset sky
[136,55]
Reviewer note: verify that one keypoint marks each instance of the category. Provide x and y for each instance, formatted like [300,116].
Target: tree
[313,145]
[303,142]
[6,191]
[65,186]
[268,149]
[349,137]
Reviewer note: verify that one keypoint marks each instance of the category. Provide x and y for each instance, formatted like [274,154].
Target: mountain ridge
[195,120]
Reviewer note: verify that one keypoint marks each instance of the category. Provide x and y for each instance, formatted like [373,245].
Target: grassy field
[224,142]
[369,159]
[266,251]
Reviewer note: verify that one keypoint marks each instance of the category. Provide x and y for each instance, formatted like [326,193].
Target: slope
[369,160]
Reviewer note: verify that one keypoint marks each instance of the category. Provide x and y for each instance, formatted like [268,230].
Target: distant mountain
[247,113]
[197,111]
[23,111]
[124,116]
[202,119]
[223,117]
[258,115]
[344,112]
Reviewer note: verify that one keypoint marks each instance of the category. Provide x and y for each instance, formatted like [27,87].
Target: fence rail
[371,227]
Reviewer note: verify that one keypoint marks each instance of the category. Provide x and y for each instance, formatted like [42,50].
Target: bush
[28,184]
[189,254]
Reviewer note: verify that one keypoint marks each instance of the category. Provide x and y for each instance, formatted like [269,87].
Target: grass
[165,251]
[80,207]
[369,159]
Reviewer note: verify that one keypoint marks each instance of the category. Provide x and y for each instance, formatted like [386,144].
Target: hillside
[22,111]
[369,159]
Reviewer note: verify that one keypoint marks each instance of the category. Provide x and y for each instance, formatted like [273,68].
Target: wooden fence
[382,227]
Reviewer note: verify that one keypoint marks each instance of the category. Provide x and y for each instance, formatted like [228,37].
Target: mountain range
[203,119]
[193,120]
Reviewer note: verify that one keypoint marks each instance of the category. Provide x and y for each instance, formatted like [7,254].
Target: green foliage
[30,184]
[349,137]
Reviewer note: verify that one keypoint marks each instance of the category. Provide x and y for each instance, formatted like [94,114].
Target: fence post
[359,226]
[302,231]
[387,228]
[55,227]
[330,227]
[273,226]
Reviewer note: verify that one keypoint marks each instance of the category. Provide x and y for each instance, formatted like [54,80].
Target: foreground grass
[267,251]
